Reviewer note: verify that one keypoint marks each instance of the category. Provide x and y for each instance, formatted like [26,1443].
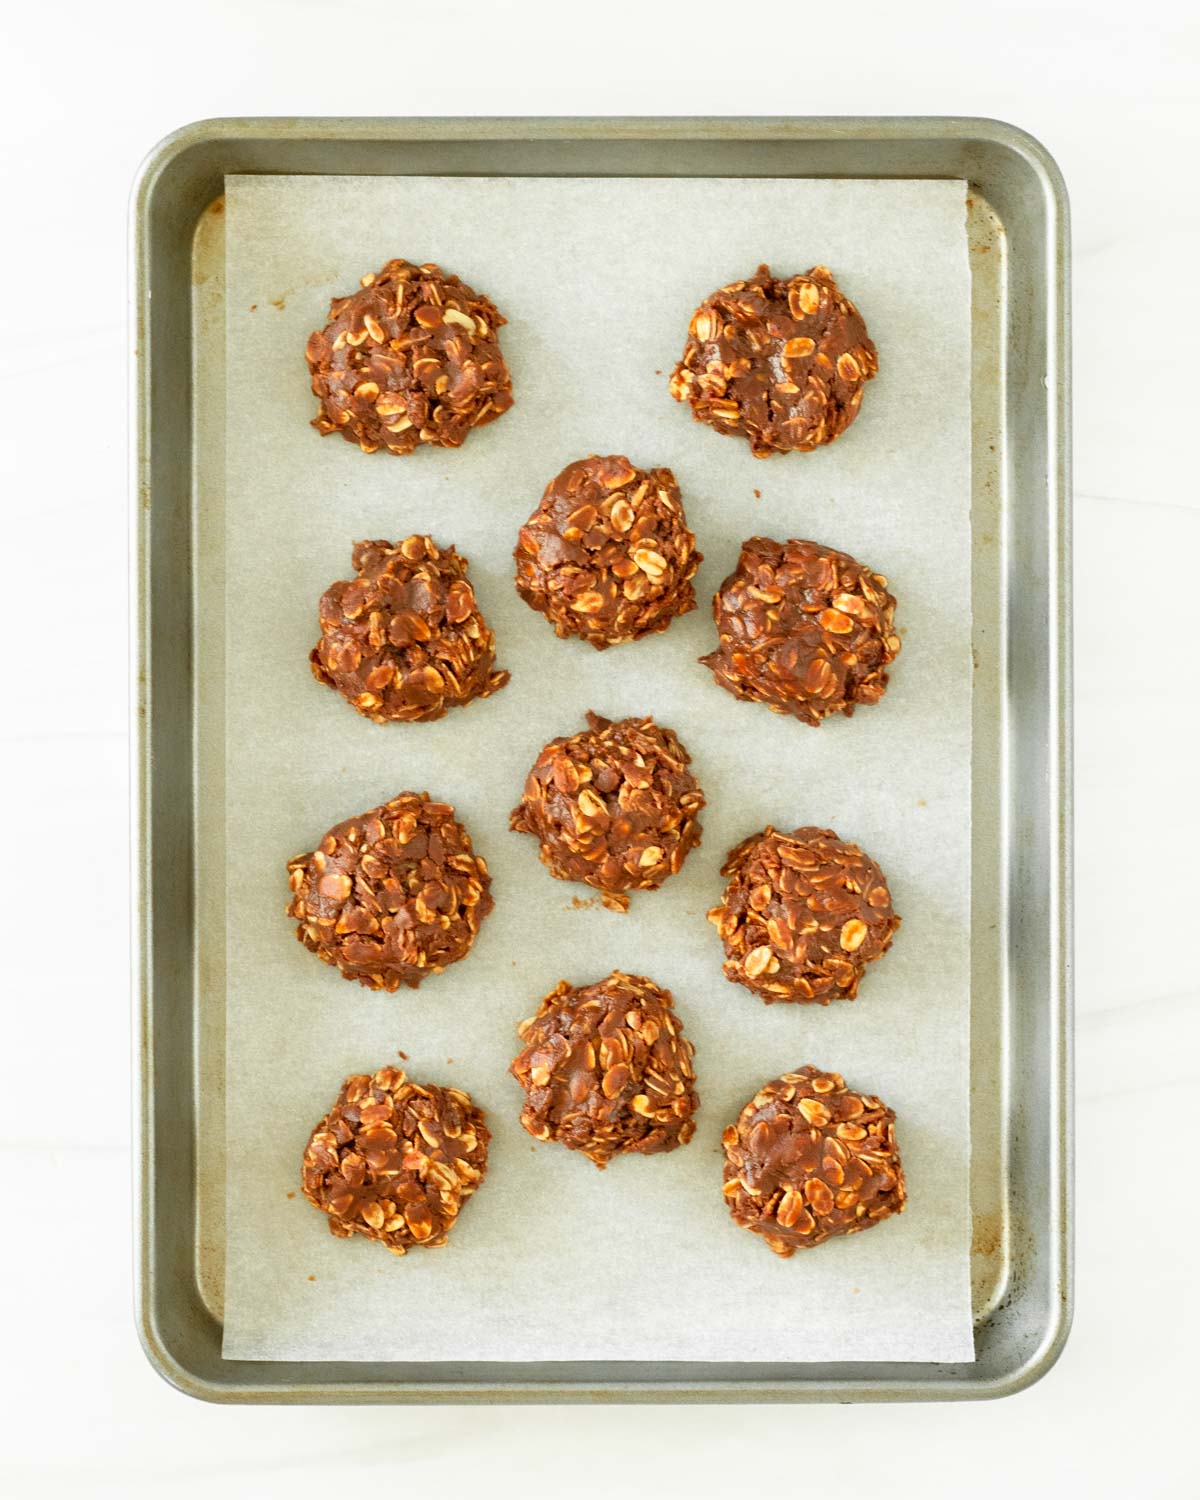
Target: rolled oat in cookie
[393,895]
[780,362]
[804,629]
[607,555]
[802,916]
[411,358]
[395,1160]
[405,639]
[607,1070]
[614,807]
[809,1159]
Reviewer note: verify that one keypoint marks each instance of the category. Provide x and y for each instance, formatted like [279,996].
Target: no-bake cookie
[405,639]
[780,362]
[607,1070]
[607,555]
[393,895]
[804,629]
[809,1159]
[614,806]
[802,916]
[395,1160]
[413,357]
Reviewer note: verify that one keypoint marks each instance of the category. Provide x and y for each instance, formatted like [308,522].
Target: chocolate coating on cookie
[803,914]
[607,555]
[405,640]
[782,362]
[804,629]
[607,1070]
[393,895]
[412,357]
[809,1159]
[614,806]
[395,1160]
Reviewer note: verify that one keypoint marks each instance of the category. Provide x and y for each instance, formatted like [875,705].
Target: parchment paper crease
[552,1259]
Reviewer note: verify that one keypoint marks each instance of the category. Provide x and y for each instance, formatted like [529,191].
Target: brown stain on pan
[987,1239]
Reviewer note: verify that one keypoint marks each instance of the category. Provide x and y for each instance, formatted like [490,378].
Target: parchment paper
[553,1259]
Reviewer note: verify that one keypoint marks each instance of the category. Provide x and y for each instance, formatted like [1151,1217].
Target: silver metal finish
[1021,999]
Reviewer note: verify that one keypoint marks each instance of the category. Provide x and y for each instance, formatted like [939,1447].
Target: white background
[87,88]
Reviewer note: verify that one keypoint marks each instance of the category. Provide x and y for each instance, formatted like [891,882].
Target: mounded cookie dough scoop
[405,639]
[804,629]
[393,895]
[413,357]
[802,916]
[607,1070]
[395,1160]
[607,555]
[780,362]
[809,1159]
[614,807]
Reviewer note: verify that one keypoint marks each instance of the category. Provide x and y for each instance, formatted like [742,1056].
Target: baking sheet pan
[1020,1181]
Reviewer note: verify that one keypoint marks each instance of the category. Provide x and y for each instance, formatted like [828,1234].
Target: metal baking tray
[1021,1171]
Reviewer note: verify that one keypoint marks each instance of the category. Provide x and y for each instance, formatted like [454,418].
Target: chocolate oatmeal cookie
[804,629]
[802,916]
[393,895]
[607,1070]
[614,806]
[809,1159]
[405,639]
[412,357]
[782,362]
[395,1160]
[607,555]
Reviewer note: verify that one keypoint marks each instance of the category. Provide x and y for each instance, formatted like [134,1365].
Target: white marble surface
[1111,89]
